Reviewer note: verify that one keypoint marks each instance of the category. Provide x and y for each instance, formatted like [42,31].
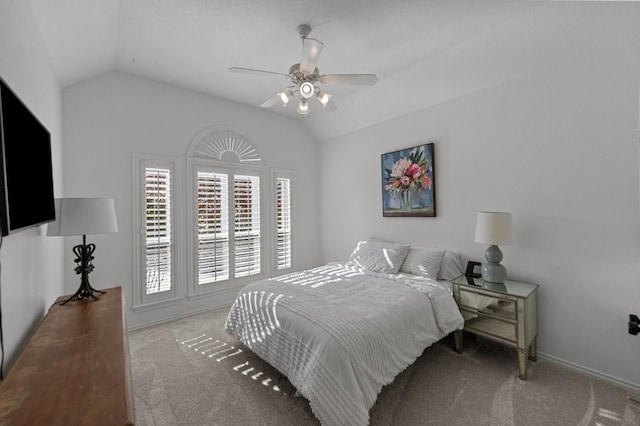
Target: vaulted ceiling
[423,52]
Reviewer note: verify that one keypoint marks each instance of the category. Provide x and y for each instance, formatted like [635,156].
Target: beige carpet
[190,372]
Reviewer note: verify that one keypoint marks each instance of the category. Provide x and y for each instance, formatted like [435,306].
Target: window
[246,190]
[213,227]
[228,235]
[155,218]
[283,223]
[157,194]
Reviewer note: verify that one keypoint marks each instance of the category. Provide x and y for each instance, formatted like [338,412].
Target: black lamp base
[84,265]
[85,291]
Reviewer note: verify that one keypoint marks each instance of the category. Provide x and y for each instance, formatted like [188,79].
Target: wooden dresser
[75,370]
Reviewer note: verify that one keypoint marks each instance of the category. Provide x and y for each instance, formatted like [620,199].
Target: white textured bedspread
[340,334]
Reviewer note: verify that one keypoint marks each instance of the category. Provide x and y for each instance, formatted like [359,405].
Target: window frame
[142,300]
[232,284]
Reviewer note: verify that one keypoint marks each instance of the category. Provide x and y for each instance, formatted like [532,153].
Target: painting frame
[408,182]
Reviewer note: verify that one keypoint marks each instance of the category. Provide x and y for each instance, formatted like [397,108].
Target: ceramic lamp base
[492,270]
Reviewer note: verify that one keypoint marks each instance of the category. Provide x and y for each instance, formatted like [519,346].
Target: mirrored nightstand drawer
[501,307]
[490,326]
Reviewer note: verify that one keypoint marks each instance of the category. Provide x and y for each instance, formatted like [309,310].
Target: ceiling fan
[306,77]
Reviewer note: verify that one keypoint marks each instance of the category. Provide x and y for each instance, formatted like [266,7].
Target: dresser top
[75,369]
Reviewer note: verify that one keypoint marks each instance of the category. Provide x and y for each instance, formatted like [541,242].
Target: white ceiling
[423,51]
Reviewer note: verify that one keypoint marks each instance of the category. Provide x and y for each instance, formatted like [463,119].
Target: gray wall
[110,117]
[558,149]
[31,274]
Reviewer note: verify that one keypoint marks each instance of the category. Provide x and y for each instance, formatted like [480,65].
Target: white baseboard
[632,387]
[185,315]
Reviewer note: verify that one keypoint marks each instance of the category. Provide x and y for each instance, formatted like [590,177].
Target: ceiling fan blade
[311,49]
[270,102]
[362,79]
[257,72]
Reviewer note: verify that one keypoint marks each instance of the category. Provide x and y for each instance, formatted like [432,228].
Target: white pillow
[423,261]
[451,266]
[379,256]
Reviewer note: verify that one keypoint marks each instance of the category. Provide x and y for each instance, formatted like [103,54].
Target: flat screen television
[26,171]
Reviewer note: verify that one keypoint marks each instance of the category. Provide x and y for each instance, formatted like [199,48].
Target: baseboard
[173,318]
[632,387]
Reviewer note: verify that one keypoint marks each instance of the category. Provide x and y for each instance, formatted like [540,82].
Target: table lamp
[83,216]
[493,228]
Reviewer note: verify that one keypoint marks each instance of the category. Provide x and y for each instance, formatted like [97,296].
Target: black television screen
[26,186]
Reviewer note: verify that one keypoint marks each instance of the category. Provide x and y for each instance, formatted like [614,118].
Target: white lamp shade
[303,107]
[323,97]
[493,228]
[285,96]
[307,90]
[83,216]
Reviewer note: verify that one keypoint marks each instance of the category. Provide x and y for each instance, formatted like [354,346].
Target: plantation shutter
[247,236]
[158,229]
[283,223]
[213,227]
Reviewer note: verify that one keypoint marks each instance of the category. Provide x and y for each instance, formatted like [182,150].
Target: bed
[342,331]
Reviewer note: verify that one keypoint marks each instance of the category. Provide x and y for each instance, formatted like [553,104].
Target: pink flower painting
[407,177]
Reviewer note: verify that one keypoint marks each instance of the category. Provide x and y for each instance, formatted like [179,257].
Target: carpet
[190,372]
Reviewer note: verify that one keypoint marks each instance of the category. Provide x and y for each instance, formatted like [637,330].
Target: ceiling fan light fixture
[307,90]
[285,96]
[303,107]
[323,97]
[304,76]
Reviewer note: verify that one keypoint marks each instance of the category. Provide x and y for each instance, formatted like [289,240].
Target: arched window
[235,211]
[227,205]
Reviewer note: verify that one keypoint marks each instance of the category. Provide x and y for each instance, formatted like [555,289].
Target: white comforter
[340,334]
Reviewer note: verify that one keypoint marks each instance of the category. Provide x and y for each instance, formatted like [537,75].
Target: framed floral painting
[408,182]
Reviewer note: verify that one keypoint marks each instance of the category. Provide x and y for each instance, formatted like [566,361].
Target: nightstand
[503,312]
